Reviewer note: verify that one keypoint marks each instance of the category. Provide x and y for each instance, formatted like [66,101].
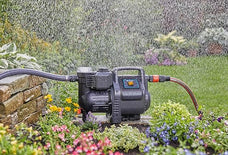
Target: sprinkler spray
[121,97]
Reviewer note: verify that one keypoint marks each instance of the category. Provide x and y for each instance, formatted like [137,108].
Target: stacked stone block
[22,99]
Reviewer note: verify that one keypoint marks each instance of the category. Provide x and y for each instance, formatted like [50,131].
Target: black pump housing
[122,97]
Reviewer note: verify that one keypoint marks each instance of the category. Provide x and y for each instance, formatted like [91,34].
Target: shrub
[168,52]
[213,35]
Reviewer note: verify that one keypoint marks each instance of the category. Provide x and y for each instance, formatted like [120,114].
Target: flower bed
[172,131]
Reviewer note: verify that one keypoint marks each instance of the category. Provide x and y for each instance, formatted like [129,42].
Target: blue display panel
[130,83]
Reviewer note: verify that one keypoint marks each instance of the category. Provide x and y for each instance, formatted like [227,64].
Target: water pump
[121,96]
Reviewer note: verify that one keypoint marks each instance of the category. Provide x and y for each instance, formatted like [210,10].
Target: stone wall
[22,99]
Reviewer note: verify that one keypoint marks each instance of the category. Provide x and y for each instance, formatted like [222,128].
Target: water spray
[121,97]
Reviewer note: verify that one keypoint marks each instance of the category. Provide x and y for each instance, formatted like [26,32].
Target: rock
[35,80]
[33,118]
[5,93]
[32,93]
[11,104]
[16,83]
[26,109]
[40,102]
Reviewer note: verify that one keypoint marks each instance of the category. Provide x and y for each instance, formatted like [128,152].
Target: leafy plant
[213,35]
[9,144]
[213,133]
[123,137]
[10,58]
[90,123]
[171,122]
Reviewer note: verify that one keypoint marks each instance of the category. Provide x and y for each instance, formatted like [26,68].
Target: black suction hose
[71,78]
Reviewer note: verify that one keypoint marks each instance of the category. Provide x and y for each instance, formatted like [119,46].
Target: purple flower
[167,62]
[201,142]
[175,138]
[146,149]
[174,131]
[187,136]
[148,132]
[219,119]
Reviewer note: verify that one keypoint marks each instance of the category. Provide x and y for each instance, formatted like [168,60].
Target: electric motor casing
[106,91]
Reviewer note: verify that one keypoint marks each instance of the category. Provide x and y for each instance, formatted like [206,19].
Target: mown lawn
[206,76]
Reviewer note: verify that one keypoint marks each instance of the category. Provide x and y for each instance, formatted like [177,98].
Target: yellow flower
[48,96]
[29,129]
[67,108]
[2,132]
[53,108]
[69,100]
[20,146]
[14,142]
[59,109]
[75,110]
[49,100]
[35,152]
[76,105]
[1,125]
[4,151]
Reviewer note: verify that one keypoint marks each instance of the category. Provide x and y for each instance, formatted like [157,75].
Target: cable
[71,78]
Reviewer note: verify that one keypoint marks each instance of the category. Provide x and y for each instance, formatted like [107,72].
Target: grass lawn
[206,76]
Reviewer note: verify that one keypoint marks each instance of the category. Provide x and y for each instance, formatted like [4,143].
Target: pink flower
[118,153]
[68,147]
[62,136]
[47,146]
[110,152]
[93,147]
[75,153]
[79,149]
[85,149]
[63,127]
[67,130]
[75,142]
[90,133]
[213,140]
[58,147]
[73,136]
[54,128]
[107,141]
[48,133]
[100,143]
[226,122]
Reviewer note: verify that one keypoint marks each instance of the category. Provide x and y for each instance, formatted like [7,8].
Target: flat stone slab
[144,120]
